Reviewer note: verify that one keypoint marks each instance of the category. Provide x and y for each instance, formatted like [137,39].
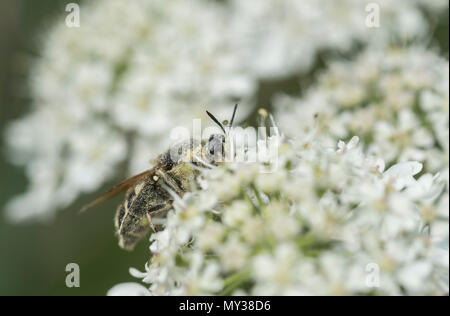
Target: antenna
[220,124]
[232,117]
[216,121]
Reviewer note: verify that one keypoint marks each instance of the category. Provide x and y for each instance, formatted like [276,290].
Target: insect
[150,194]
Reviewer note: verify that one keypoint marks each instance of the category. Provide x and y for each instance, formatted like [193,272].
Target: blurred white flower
[238,213]
[91,90]
[402,174]
[276,274]
[128,289]
[279,38]
[400,114]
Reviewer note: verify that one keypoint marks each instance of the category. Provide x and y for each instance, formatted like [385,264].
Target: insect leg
[155,210]
[170,182]
[149,219]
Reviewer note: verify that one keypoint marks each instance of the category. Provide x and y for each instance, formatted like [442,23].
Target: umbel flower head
[142,67]
[395,98]
[329,221]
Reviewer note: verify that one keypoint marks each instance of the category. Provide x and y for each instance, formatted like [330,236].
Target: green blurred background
[33,256]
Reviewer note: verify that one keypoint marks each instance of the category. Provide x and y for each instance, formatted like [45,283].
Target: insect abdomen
[147,197]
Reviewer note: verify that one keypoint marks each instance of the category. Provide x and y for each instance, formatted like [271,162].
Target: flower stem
[234,281]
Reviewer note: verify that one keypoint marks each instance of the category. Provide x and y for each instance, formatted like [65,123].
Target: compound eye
[211,147]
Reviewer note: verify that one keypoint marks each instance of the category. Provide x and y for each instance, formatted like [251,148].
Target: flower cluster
[329,221]
[278,38]
[133,68]
[142,67]
[395,99]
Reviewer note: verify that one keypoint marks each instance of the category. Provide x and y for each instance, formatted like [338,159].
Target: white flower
[343,147]
[199,281]
[401,112]
[401,175]
[413,277]
[210,236]
[253,230]
[94,152]
[277,38]
[233,254]
[281,224]
[271,182]
[128,289]
[237,213]
[427,187]
[275,273]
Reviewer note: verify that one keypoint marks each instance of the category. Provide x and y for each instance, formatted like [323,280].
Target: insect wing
[117,189]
